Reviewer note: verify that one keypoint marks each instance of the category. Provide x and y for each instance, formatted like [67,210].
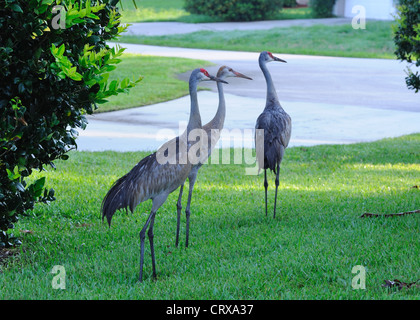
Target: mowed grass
[152,10]
[376,41]
[235,251]
[159,84]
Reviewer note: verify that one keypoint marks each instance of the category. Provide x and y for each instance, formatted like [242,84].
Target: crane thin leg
[152,247]
[191,180]
[142,237]
[265,186]
[277,186]
[178,218]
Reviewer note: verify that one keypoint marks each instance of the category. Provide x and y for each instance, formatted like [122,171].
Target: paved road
[331,100]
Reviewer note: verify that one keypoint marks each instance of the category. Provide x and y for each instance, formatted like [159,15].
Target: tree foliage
[52,75]
[407,39]
[322,8]
[289,3]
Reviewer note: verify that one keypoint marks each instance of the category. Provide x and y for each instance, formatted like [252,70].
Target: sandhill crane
[212,130]
[152,179]
[273,125]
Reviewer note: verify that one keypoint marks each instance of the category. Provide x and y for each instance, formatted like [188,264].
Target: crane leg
[277,186]
[142,237]
[265,187]
[178,218]
[191,180]
[152,247]
[157,202]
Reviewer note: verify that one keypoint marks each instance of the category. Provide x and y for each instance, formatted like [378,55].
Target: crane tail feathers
[115,199]
[127,191]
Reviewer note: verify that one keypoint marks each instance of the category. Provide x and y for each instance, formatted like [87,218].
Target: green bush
[322,8]
[52,74]
[289,3]
[407,39]
[235,10]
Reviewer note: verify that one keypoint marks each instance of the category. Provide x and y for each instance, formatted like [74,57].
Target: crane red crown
[204,71]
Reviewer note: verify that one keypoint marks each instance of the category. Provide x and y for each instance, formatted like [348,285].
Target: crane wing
[273,130]
[146,180]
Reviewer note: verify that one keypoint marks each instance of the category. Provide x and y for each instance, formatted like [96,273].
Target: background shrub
[322,8]
[407,39]
[235,10]
[289,3]
[50,78]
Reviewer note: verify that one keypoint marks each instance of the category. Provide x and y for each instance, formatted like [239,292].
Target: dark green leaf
[15,7]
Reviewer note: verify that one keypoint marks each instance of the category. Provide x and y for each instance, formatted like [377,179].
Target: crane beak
[217,79]
[240,75]
[278,59]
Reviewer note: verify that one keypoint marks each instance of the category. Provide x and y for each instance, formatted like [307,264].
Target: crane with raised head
[273,129]
[212,131]
[154,179]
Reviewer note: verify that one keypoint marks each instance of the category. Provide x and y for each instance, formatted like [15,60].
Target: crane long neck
[271,90]
[219,118]
[195,117]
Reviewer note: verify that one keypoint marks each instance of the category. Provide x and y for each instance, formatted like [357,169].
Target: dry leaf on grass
[27,231]
[399,284]
[368,214]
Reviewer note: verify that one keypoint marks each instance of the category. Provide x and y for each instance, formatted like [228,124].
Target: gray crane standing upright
[273,129]
[212,129]
[152,179]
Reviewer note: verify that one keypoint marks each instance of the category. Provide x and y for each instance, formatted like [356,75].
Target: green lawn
[152,10]
[376,41]
[159,84]
[235,252]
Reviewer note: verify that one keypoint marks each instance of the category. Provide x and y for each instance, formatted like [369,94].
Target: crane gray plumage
[273,129]
[153,179]
[212,130]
